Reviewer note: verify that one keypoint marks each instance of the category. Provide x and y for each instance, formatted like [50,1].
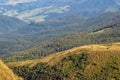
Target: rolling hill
[6,73]
[57,57]
[90,62]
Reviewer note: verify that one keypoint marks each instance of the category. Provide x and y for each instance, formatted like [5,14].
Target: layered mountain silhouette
[49,9]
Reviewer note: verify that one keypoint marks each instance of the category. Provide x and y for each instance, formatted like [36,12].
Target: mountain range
[59,40]
[39,10]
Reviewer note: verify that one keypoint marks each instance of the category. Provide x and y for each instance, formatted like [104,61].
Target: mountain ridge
[60,55]
[92,61]
[52,9]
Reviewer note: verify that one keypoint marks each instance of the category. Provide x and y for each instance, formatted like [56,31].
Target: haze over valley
[59,40]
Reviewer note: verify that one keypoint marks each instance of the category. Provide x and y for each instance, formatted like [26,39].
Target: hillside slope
[10,24]
[111,47]
[28,36]
[6,73]
[100,34]
[90,62]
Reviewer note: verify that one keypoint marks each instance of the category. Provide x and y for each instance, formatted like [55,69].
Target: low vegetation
[92,62]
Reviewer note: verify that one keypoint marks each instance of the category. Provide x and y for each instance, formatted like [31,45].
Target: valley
[105,34]
[59,40]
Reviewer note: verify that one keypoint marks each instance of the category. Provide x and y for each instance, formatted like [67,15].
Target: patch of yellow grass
[6,73]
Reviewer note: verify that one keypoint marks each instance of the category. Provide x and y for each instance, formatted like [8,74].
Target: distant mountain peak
[36,11]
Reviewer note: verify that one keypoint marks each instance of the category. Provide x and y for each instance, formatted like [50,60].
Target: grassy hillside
[90,62]
[6,73]
[111,47]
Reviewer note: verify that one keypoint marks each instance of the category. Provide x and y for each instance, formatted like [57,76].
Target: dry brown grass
[6,73]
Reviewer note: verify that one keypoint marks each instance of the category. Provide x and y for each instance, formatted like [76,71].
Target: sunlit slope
[98,53]
[6,73]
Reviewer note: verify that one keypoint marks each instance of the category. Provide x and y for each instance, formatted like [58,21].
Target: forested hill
[99,34]
[89,62]
[26,36]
